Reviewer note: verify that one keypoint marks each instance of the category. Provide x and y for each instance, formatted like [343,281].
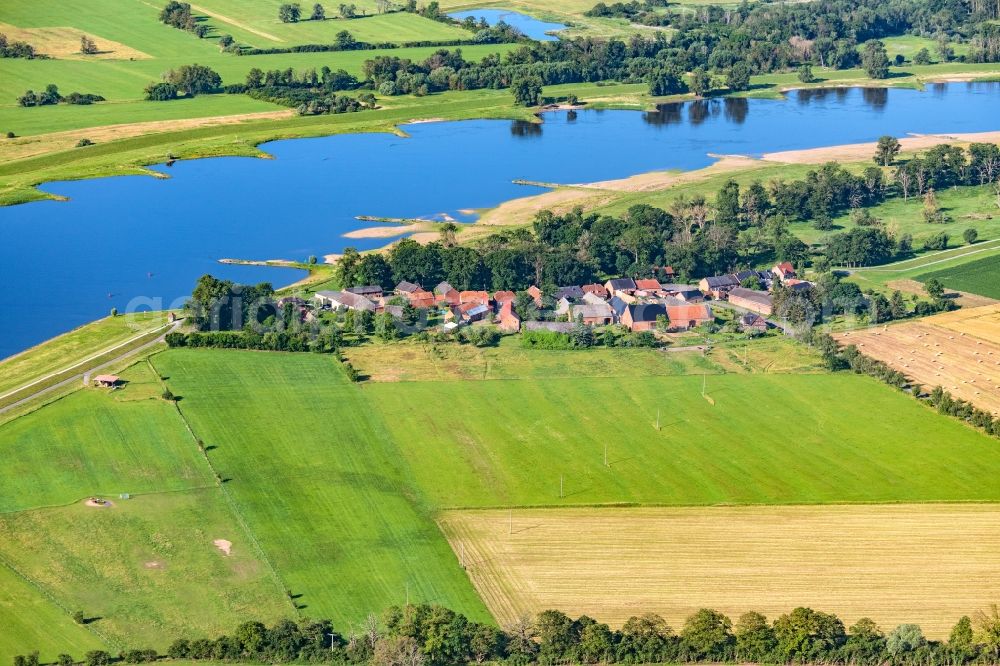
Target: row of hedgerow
[419,635]
[850,358]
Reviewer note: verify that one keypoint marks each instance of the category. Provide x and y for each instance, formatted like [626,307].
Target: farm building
[571,293]
[405,287]
[784,271]
[684,317]
[421,299]
[593,299]
[480,297]
[345,299]
[648,286]
[752,322]
[755,301]
[107,381]
[508,319]
[536,294]
[642,316]
[597,290]
[619,286]
[370,291]
[592,314]
[501,297]
[718,286]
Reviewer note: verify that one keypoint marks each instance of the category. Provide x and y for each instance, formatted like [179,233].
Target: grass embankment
[75,346]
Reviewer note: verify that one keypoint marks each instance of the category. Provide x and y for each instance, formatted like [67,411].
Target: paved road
[78,377]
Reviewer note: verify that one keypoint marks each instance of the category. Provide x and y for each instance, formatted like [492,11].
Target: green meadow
[320,482]
[981,276]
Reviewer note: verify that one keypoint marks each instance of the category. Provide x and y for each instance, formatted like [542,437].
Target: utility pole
[704,383]
[657,419]
[560,486]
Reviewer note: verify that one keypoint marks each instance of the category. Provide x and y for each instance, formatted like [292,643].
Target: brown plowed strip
[238,24]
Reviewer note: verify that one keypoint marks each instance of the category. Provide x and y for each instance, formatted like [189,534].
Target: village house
[421,299]
[343,299]
[619,286]
[755,301]
[688,294]
[642,316]
[479,297]
[371,292]
[597,290]
[798,286]
[501,297]
[405,288]
[647,287]
[563,305]
[750,322]
[618,306]
[686,317]
[467,313]
[592,299]
[764,277]
[507,318]
[718,286]
[784,271]
[570,293]
[535,294]
[592,314]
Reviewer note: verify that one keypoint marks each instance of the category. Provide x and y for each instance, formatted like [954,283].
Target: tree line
[432,635]
[51,96]
[850,357]
[16,49]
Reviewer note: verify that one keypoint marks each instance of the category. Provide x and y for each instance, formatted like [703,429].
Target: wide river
[65,263]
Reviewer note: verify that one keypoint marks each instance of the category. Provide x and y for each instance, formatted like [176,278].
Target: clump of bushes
[51,96]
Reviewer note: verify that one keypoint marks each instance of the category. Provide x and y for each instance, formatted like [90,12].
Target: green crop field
[981,276]
[320,481]
[817,441]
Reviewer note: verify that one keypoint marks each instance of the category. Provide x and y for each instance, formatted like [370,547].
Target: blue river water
[528,25]
[65,263]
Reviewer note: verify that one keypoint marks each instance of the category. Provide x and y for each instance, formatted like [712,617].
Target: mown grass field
[146,570]
[32,621]
[855,561]
[256,22]
[97,442]
[981,276]
[818,440]
[320,482]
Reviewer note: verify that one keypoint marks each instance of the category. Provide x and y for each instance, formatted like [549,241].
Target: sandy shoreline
[863,151]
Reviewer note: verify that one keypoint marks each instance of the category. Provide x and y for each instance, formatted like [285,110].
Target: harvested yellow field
[959,351]
[64,43]
[928,564]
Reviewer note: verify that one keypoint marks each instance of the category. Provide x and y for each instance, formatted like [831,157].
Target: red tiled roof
[596,289]
[480,297]
[688,313]
[647,285]
[504,296]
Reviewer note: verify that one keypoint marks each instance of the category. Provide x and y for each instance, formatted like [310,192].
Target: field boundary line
[234,507]
[722,505]
[45,592]
[65,505]
[980,250]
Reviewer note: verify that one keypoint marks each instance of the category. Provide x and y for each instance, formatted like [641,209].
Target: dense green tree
[886,150]
[707,634]
[875,60]
[527,90]
[754,638]
[290,12]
